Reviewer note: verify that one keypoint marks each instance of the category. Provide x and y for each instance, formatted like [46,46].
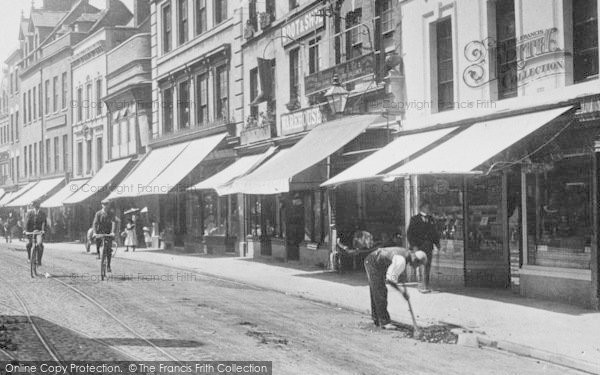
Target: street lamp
[337,96]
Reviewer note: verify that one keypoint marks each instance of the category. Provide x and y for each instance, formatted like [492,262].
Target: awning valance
[475,145]
[222,182]
[275,175]
[39,191]
[99,183]
[392,154]
[69,189]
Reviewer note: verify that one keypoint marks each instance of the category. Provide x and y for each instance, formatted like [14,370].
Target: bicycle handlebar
[104,236]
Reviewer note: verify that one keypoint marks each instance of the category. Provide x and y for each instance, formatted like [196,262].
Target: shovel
[416,330]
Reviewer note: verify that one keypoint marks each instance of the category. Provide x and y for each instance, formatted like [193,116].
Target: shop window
[214,215]
[182,8]
[353,34]
[166,28]
[445,67]
[506,51]
[202,99]
[559,222]
[262,219]
[200,16]
[585,39]
[314,58]
[184,105]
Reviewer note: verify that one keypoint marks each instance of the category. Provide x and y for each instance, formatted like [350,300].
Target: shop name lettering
[301,121]
[306,23]
[532,56]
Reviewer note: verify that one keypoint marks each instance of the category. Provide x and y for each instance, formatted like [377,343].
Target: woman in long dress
[130,236]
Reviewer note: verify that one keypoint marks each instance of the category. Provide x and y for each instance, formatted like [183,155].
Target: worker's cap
[105,202]
[421,257]
[35,203]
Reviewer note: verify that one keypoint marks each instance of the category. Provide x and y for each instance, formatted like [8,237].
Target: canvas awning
[69,189]
[39,191]
[164,168]
[475,145]
[7,198]
[99,183]
[222,182]
[393,154]
[275,176]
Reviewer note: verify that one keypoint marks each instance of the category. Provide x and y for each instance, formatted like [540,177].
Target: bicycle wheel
[103,264]
[33,261]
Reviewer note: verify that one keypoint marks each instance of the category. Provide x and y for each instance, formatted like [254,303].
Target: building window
[88,149]
[65,149]
[48,156]
[253,92]
[202,99]
[18,165]
[35,158]
[220,11]
[41,154]
[79,158]
[17,126]
[79,104]
[47,92]
[167,28]
[200,16]
[182,8]
[99,153]
[24,107]
[294,75]
[40,100]
[387,16]
[88,100]
[56,155]
[222,93]
[12,128]
[168,111]
[353,34]
[99,97]
[55,89]
[25,169]
[585,39]
[34,97]
[445,71]
[293,4]
[314,58]
[506,49]
[29,106]
[184,105]
[64,90]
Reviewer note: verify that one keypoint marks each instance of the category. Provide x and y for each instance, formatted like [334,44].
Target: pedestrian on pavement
[131,235]
[388,265]
[9,227]
[423,235]
[35,220]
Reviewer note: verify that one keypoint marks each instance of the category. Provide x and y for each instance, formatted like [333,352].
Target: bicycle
[106,239]
[36,236]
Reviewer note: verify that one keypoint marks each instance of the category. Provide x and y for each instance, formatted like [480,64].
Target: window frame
[167,27]
[200,17]
[447,104]
[222,92]
[183,16]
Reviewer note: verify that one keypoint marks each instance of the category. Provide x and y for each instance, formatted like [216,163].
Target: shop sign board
[348,71]
[589,109]
[309,22]
[300,121]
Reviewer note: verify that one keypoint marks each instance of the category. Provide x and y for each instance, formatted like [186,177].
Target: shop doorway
[487,250]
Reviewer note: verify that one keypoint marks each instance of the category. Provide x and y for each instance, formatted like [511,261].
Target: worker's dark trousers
[29,246]
[428,269]
[378,290]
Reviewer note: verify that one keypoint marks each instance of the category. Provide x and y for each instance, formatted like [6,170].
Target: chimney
[141,11]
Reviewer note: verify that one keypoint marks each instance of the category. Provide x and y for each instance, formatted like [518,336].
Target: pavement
[549,331]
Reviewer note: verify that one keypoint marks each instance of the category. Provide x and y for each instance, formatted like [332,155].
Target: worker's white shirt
[396,269]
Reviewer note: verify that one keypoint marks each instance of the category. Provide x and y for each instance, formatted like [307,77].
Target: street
[153,312]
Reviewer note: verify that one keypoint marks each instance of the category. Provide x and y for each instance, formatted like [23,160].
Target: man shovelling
[388,265]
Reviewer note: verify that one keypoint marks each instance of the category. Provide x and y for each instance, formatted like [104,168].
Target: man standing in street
[35,220]
[423,235]
[388,265]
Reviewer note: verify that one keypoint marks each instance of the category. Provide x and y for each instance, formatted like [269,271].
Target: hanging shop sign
[307,23]
[300,121]
[535,55]
[348,71]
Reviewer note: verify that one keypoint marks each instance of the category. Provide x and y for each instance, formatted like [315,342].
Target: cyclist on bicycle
[35,220]
[104,223]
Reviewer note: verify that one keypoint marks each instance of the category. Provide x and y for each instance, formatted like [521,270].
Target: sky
[10,14]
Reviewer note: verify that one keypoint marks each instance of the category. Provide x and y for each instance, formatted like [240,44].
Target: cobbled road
[161,313]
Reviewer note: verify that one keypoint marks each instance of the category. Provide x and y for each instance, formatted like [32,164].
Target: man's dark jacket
[422,233]
[35,220]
